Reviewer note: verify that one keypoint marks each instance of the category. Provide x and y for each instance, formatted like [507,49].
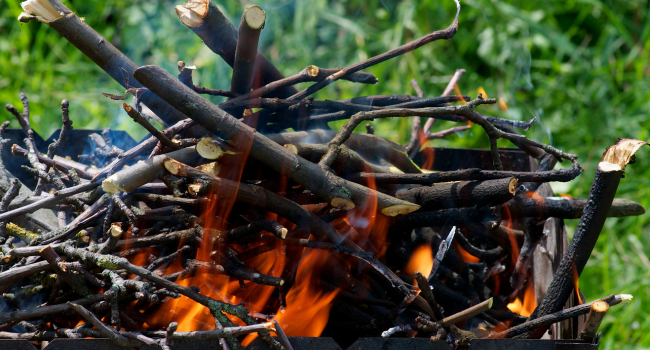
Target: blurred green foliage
[579,66]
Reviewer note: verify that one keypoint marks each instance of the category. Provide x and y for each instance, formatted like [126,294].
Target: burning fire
[308,304]
[528,305]
[421,260]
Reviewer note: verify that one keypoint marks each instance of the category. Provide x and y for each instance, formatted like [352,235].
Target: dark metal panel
[13,344]
[300,343]
[82,344]
[398,344]
[530,344]
[211,344]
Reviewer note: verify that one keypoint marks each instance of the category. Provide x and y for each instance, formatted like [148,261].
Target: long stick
[447,33]
[608,175]
[544,322]
[561,175]
[337,191]
[243,70]
[106,56]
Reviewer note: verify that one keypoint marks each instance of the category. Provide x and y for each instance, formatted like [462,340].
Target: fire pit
[227,230]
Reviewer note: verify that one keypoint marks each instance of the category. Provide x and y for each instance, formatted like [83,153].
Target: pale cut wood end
[255,17]
[512,185]
[400,209]
[192,12]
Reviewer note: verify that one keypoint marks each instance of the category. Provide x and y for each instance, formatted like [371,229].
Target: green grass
[581,67]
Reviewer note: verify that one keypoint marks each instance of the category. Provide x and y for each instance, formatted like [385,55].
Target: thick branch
[561,175]
[461,194]
[325,185]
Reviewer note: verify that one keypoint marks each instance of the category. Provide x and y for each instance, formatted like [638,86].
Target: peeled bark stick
[144,171]
[561,175]
[218,34]
[447,33]
[337,191]
[596,314]
[565,208]
[140,119]
[461,194]
[99,50]
[467,314]
[544,322]
[608,175]
[311,73]
[243,69]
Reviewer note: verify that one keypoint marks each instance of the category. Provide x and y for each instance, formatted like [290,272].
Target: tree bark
[461,194]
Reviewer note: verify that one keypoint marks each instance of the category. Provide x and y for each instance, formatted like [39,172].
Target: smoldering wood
[543,322]
[608,175]
[567,208]
[461,194]
[561,175]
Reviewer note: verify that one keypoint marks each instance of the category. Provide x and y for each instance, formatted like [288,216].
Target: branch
[447,33]
[105,55]
[206,20]
[608,175]
[335,190]
[561,175]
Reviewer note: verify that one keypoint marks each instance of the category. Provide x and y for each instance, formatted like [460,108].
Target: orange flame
[482,92]
[514,248]
[529,304]
[459,94]
[421,260]
[502,104]
[308,305]
[576,284]
[465,255]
